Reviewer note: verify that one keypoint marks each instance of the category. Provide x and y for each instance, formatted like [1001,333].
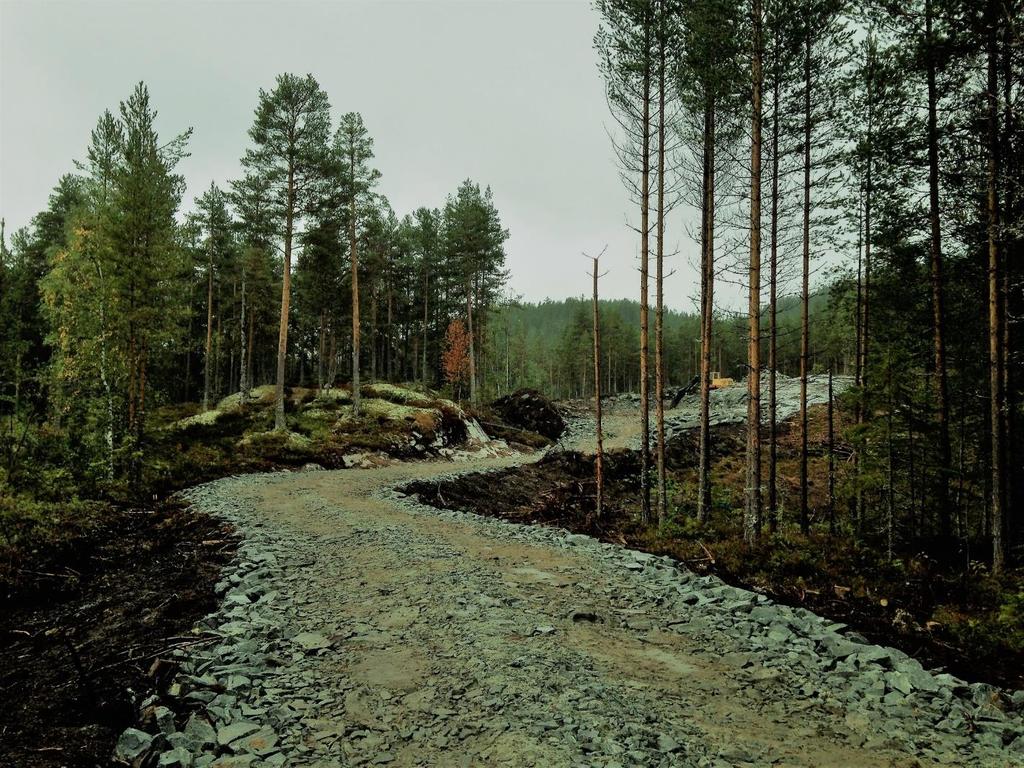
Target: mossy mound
[423,418]
[238,435]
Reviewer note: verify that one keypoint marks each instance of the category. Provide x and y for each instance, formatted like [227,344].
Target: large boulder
[529,409]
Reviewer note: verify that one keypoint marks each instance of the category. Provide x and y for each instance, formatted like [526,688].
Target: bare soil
[87,621]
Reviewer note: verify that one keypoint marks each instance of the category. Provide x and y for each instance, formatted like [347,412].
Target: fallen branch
[710,557]
[161,652]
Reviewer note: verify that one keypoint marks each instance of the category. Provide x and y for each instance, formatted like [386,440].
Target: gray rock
[179,757]
[132,745]
[263,742]
[200,734]
[667,744]
[311,641]
[738,660]
[235,731]
[1017,700]
[234,761]
[837,646]
[898,681]
[164,720]
[1017,746]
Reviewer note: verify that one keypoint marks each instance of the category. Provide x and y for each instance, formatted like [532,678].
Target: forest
[882,140]
[846,440]
[115,304]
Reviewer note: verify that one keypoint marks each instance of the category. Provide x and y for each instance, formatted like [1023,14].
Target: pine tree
[625,44]
[752,517]
[353,150]
[216,225]
[290,135]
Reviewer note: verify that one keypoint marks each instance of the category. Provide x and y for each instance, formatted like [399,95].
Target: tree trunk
[1011,257]
[995,314]
[209,329]
[321,350]
[865,326]
[426,321]
[805,326]
[831,460]
[659,301]
[332,358]
[389,342]
[243,374]
[773,353]
[752,518]
[248,350]
[104,376]
[645,400]
[374,334]
[286,287]
[599,459]
[472,345]
[890,514]
[938,310]
[707,310]
[354,258]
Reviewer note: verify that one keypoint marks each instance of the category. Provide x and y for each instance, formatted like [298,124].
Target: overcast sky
[505,93]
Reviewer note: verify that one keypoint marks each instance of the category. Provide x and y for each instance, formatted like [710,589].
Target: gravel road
[361,628]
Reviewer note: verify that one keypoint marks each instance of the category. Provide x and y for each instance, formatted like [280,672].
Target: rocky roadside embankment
[360,628]
[728,405]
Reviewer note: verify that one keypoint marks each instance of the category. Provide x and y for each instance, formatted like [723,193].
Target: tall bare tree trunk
[374,334]
[831,459]
[472,345]
[773,353]
[865,326]
[249,349]
[752,517]
[707,310]
[426,321]
[890,514]
[805,326]
[388,349]
[599,459]
[108,391]
[1011,256]
[659,301]
[286,290]
[243,357]
[332,359]
[645,228]
[209,328]
[321,350]
[354,258]
[995,309]
[858,321]
[938,309]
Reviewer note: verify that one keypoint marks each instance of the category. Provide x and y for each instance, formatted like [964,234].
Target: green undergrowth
[321,427]
[55,502]
[61,484]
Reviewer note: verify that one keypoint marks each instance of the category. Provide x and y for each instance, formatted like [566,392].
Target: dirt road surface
[359,628]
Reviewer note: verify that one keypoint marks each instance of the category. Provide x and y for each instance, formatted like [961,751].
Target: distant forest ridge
[548,344]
